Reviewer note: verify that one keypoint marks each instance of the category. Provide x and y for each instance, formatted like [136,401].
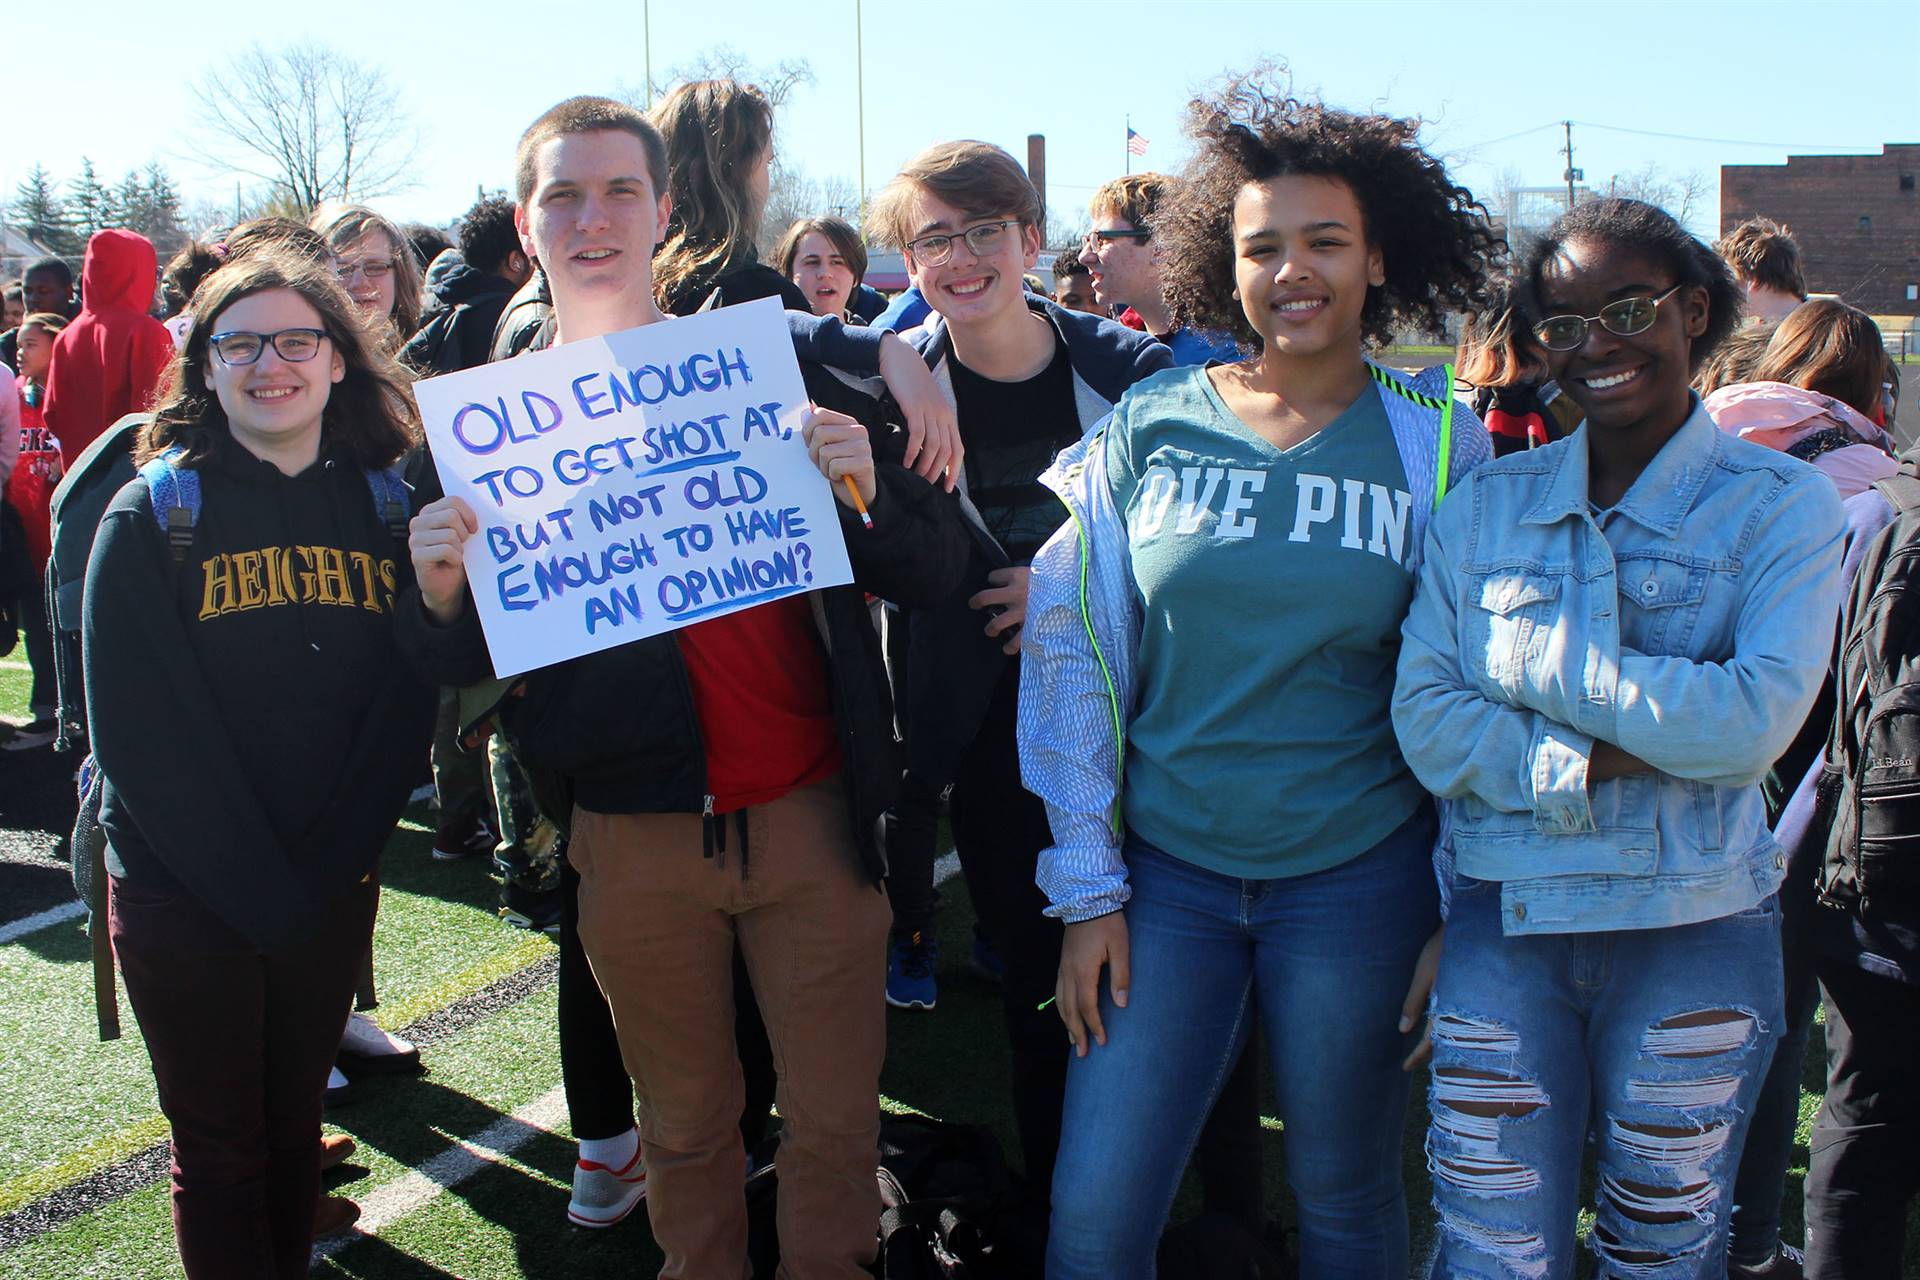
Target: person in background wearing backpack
[1615,638]
[1849,831]
[1809,393]
[29,491]
[239,616]
[464,305]
[108,362]
[1218,625]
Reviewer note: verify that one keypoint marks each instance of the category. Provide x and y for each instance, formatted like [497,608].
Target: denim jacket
[1082,636]
[1694,634]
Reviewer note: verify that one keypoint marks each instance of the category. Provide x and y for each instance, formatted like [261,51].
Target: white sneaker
[365,1046]
[603,1196]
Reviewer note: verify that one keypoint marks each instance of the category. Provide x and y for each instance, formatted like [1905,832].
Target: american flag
[1136,142]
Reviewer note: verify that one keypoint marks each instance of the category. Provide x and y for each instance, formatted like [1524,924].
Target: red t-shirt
[760,688]
[30,488]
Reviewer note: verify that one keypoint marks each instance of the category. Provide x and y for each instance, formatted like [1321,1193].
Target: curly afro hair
[1646,229]
[1435,239]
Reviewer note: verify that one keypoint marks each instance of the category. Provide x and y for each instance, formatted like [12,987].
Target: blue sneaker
[985,963]
[910,983]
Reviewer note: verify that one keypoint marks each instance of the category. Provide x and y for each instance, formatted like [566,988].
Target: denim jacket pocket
[1666,593]
[1512,611]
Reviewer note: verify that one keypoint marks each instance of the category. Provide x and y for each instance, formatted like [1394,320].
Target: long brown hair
[716,132]
[1827,346]
[369,420]
[344,225]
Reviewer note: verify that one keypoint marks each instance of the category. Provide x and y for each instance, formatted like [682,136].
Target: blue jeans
[1326,959]
[1652,1041]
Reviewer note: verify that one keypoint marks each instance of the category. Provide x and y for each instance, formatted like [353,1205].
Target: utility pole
[646,41]
[1573,174]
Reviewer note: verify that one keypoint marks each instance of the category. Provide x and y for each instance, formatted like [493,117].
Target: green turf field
[461,1173]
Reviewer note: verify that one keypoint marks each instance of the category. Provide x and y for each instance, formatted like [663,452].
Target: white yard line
[468,1156]
[41,920]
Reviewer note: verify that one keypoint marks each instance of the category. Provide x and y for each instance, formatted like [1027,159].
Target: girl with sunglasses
[1210,649]
[1613,639]
[239,619]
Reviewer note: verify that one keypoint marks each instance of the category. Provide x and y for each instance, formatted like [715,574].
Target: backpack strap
[1902,492]
[1443,405]
[175,494]
[390,500]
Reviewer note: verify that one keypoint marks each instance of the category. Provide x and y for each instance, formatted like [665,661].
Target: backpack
[176,504]
[430,350]
[1869,789]
[950,1206]
[78,503]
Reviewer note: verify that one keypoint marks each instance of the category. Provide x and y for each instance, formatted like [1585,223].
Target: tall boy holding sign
[728,777]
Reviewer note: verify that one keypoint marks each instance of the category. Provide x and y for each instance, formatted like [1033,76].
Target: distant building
[16,251]
[1531,210]
[1857,219]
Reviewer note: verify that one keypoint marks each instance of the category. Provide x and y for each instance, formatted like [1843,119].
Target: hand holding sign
[628,485]
[437,541]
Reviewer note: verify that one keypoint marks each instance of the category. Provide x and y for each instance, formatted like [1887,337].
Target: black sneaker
[27,737]
[532,909]
[1787,1263]
[453,845]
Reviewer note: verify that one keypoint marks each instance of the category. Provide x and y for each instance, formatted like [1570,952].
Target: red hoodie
[108,362]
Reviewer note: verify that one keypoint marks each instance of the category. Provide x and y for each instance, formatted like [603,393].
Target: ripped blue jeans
[1653,1042]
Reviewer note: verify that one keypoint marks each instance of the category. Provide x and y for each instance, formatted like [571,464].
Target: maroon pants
[241,1042]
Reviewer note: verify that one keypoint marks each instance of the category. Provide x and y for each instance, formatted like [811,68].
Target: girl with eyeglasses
[1204,704]
[257,733]
[1614,637]
[376,266]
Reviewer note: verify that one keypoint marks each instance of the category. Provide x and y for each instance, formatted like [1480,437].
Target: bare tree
[1684,195]
[777,80]
[308,119]
[792,195]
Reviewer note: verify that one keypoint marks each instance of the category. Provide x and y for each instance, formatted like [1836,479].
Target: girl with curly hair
[239,615]
[1614,638]
[1218,627]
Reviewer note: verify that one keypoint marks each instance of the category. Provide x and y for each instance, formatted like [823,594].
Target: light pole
[860,101]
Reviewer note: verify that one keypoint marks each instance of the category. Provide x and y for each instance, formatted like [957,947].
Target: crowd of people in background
[1295,716]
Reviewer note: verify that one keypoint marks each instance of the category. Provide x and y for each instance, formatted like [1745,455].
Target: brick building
[1857,219]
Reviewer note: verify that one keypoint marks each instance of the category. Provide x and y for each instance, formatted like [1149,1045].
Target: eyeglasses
[372,269]
[1624,316]
[982,241]
[1104,238]
[237,347]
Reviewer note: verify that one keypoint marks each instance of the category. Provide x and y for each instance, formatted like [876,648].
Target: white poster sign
[631,484]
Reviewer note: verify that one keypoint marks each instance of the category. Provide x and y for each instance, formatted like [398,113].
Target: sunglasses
[1625,317]
[1105,238]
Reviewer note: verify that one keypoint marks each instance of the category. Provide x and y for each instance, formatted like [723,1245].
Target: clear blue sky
[1794,76]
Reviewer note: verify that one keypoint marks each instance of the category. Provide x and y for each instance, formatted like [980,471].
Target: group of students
[1258,692]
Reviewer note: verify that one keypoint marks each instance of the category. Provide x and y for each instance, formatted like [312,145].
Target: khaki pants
[659,922]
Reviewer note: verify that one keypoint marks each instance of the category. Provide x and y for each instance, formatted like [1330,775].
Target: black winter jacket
[456,329]
[620,725]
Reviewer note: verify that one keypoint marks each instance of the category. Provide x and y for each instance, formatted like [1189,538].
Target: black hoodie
[456,329]
[258,735]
